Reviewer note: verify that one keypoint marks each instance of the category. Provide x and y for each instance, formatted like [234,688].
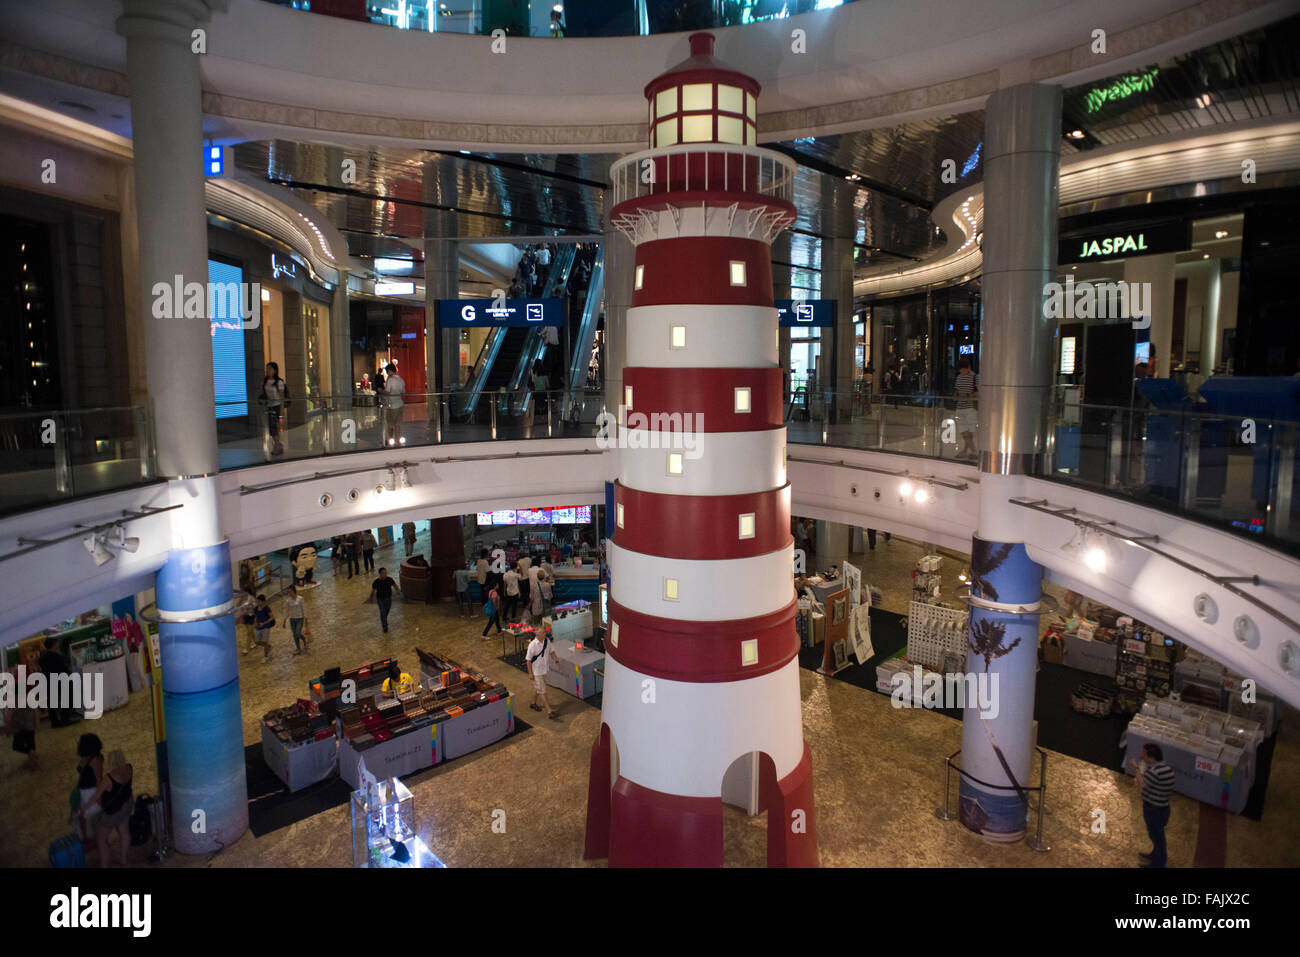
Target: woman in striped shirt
[967,389]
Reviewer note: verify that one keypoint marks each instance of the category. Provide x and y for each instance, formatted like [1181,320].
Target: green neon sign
[1120,89]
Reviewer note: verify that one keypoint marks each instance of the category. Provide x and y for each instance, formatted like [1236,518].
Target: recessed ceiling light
[1076,134]
[1220,233]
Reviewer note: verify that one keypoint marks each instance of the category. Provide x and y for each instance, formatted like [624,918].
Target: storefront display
[570,621]
[299,744]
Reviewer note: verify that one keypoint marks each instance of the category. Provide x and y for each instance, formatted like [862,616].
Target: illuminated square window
[747,525]
[620,514]
[627,397]
[640,276]
[670,589]
[731,98]
[666,101]
[666,133]
[730,130]
[697,128]
[674,463]
[738,273]
[742,399]
[749,106]
[697,96]
[750,138]
[677,337]
[749,651]
[613,633]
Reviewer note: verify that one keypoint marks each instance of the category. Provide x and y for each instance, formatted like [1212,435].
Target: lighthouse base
[636,826]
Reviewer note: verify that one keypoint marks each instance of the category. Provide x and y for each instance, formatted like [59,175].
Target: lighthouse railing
[691,166]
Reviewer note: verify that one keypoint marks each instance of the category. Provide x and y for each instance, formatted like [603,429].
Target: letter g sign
[467,313]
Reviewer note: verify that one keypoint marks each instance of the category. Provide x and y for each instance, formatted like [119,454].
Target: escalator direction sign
[487,313]
[805,312]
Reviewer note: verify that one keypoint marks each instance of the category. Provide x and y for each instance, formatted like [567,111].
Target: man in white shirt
[539,656]
[394,390]
[511,578]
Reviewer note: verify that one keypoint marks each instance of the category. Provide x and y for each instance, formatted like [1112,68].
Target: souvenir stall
[299,744]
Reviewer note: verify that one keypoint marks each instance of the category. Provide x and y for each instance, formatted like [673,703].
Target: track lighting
[1096,557]
[126,544]
[97,545]
[905,489]
[921,495]
[1075,545]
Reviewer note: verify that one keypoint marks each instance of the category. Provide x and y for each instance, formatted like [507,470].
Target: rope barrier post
[1036,843]
[945,813]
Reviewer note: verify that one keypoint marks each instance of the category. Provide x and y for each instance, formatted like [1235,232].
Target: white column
[1157,270]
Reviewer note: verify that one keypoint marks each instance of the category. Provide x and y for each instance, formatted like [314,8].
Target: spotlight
[402,440]
[1075,544]
[1095,559]
[1076,134]
[963,576]
[126,544]
[922,496]
[905,489]
[97,545]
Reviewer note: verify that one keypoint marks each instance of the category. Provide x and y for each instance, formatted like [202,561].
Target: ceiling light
[1076,134]
[383,264]
[97,545]
[922,496]
[1203,100]
[1220,233]
[1095,558]
[905,489]
[126,544]
[1205,256]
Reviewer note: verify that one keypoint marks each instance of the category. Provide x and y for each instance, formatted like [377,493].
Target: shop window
[670,589]
[697,128]
[666,133]
[620,514]
[749,651]
[640,276]
[666,101]
[730,130]
[674,463]
[731,99]
[697,96]
[747,525]
[738,273]
[742,399]
[677,337]
[750,110]
[613,633]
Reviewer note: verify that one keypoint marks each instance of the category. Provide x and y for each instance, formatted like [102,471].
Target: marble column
[441,346]
[341,345]
[1158,271]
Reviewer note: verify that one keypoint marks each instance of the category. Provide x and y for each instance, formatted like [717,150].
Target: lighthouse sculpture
[701,695]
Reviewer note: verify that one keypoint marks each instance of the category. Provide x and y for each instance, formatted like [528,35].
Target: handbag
[490,609]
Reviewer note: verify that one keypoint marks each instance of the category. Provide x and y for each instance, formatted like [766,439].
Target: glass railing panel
[50,456]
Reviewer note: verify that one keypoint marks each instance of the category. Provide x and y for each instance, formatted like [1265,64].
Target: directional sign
[805,312]
[471,313]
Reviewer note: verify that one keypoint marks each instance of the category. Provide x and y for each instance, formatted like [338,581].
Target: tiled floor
[878,771]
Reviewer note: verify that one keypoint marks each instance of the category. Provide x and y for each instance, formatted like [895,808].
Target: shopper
[535,597]
[112,800]
[295,618]
[463,606]
[275,396]
[368,544]
[967,390]
[482,569]
[247,612]
[492,608]
[871,537]
[540,655]
[512,593]
[354,554]
[1156,781]
[336,554]
[546,587]
[408,537]
[263,622]
[90,772]
[394,392]
[20,721]
[52,664]
[382,588]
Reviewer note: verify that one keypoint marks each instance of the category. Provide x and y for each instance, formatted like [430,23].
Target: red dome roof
[701,67]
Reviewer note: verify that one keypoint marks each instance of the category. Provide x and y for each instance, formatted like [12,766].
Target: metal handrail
[945,813]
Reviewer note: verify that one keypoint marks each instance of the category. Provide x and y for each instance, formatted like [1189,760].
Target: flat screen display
[583,514]
[485,518]
[229,372]
[1067,355]
[564,516]
[533,516]
[505,516]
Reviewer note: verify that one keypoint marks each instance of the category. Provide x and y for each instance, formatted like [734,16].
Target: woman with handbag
[113,799]
[491,609]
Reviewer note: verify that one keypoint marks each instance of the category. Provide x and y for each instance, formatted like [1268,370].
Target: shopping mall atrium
[618,433]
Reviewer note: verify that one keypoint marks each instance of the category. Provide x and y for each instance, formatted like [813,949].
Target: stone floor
[878,771]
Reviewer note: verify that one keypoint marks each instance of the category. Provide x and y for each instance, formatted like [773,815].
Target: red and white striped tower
[701,694]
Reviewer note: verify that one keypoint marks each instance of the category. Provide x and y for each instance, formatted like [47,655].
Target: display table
[117,690]
[302,764]
[574,626]
[1211,782]
[573,583]
[520,638]
[577,672]
[1096,657]
[424,747]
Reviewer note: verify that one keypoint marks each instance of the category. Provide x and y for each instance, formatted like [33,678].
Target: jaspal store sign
[1120,243]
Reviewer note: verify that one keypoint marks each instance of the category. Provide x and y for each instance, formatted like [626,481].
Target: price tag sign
[1229,684]
[1135,646]
[1208,766]
[1139,669]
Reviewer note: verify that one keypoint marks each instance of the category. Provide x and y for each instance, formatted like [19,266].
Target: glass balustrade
[1211,468]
